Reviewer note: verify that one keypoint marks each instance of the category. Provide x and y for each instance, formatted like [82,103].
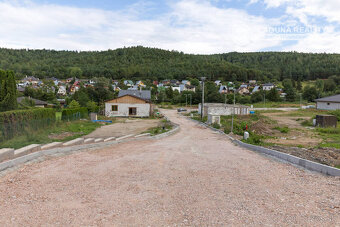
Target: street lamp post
[264,100]
[202,106]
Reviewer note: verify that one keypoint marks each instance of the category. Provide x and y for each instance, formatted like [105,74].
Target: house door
[132,111]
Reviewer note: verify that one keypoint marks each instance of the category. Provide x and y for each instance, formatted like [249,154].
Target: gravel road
[193,178]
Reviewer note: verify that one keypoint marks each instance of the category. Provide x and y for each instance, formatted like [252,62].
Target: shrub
[216,125]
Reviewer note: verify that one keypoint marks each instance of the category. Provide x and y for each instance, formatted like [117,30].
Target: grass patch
[282,129]
[330,136]
[76,128]
[164,127]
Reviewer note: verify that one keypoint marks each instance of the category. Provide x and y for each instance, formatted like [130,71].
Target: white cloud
[328,9]
[190,26]
[326,42]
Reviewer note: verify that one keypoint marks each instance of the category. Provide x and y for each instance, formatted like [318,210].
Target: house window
[132,111]
[328,103]
[115,108]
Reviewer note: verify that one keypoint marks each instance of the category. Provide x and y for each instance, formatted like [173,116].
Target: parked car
[181,110]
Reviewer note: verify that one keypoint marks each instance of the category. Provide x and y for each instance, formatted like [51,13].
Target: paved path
[195,178]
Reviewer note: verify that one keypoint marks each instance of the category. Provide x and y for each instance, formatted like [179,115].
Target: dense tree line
[155,64]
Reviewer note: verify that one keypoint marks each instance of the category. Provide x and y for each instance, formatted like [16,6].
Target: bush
[74,114]
[19,122]
[92,106]
[216,125]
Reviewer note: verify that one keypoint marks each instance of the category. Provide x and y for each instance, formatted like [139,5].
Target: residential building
[223,109]
[223,89]
[328,103]
[37,103]
[62,90]
[130,104]
[177,88]
[243,91]
[268,86]
[75,87]
[186,87]
[128,83]
[256,89]
[218,82]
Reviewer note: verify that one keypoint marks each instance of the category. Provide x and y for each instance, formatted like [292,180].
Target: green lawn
[74,129]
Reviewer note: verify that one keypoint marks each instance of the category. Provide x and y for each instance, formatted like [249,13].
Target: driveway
[192,178]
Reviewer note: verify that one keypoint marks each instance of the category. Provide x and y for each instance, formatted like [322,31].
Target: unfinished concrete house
[223,109]
[130,103]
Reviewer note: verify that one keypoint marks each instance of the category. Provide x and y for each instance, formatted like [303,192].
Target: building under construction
[223,109]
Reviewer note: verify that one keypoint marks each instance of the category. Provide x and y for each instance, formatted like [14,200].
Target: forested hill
[156,64]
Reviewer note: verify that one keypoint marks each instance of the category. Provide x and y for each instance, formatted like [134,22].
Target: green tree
[273,95]
[73,105]
[310,93]
[92,106]
[75,72]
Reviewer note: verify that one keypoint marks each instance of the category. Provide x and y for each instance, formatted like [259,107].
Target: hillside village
[63,88]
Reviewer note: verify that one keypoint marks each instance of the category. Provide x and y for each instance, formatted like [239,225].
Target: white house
[268,87]
[328,103]
[130,103]
[177,88]
[223,89]
[62,90]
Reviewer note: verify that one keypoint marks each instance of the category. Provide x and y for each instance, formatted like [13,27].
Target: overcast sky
[191,26]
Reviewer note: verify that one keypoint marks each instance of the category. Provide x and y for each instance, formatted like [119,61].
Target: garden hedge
[20,122]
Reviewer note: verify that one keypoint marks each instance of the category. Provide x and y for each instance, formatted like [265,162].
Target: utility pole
[264,99]
[190,99]
[232,115]
[202,105]
[186,100]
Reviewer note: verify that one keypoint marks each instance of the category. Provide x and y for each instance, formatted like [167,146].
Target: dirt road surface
[134,126]
[192,178]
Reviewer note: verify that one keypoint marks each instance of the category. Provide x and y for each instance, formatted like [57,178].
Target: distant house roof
[36,101]
[334,98]
[268,85]
[256,88]
[144,94]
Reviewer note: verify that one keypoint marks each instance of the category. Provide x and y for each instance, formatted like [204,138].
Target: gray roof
[334,98]
[36,101]
[143,94]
